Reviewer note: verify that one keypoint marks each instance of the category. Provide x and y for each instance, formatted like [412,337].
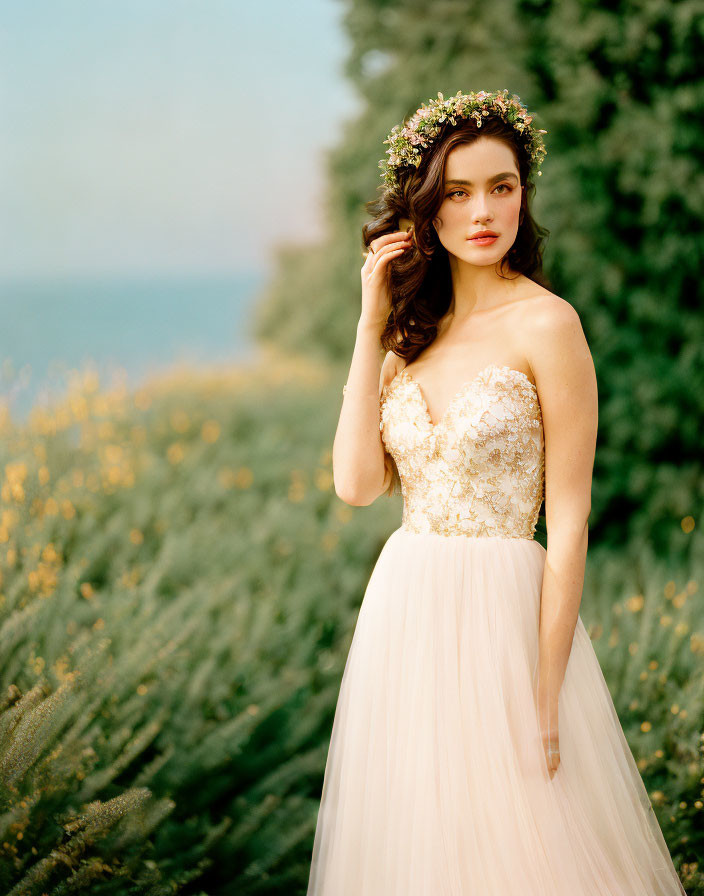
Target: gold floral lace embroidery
[480,470]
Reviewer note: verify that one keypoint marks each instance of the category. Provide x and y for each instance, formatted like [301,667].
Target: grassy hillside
[179,586]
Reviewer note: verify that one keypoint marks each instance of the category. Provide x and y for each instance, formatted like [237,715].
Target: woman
[475,747]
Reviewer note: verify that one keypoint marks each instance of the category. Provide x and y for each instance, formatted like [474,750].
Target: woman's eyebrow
[491,180]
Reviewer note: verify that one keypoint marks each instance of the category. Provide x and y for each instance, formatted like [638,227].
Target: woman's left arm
[564,373]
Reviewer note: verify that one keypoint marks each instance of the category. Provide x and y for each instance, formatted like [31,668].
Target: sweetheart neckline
[461,391]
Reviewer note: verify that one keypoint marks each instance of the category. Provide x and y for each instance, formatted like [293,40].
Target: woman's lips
[483,240]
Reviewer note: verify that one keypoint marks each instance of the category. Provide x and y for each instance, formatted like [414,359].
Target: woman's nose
[481,210]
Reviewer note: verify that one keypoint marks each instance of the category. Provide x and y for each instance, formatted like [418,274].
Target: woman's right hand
[376,292]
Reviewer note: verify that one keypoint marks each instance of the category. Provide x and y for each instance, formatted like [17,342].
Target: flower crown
[408,141]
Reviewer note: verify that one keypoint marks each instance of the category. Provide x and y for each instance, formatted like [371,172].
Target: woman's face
[482,191]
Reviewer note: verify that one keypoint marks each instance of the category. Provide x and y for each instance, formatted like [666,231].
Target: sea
[129,327]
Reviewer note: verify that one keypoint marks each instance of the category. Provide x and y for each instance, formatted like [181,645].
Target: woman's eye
[506,187]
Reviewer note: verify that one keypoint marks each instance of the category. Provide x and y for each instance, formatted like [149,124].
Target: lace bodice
[480,469]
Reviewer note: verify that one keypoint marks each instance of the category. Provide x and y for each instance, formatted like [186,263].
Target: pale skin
[512,322]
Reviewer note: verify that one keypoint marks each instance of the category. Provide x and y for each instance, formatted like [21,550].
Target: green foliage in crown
[408,141]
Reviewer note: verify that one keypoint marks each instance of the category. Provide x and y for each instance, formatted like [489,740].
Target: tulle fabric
[436,782]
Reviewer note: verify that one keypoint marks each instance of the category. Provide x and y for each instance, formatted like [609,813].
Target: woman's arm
[567,389]
[360,470]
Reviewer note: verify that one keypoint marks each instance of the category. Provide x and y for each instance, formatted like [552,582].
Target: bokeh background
[182,189]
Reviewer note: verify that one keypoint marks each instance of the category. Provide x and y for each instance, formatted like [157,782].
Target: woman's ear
[404,224]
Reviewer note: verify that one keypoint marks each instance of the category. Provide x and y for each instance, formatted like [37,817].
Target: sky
[164,137]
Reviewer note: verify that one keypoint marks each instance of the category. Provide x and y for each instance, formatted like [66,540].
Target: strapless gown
[436,782]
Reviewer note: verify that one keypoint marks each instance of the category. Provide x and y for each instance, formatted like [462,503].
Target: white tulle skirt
[436,782]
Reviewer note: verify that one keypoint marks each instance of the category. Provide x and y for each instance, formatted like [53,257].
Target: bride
[475,747]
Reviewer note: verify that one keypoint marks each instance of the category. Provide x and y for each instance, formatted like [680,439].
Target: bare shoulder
[554,338]
[390,367]
[562,365]
[546,309]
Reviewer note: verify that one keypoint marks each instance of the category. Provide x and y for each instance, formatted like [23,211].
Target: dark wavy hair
[420,280]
